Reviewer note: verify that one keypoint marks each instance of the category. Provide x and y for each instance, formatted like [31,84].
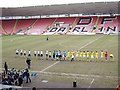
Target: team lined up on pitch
[69,55]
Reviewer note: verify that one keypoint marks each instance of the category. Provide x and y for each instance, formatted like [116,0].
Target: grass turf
[64,43]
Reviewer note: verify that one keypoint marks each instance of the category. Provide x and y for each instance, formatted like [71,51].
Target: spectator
[15,77]
[28,76]
[6,68]
[20,80]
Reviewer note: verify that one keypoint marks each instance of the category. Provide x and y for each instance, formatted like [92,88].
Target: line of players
[59,55]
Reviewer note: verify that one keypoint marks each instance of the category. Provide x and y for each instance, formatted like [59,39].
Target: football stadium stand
[61,25]
[69,19]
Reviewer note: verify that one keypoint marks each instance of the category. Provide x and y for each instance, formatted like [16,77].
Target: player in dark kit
[47,39]
[53,55]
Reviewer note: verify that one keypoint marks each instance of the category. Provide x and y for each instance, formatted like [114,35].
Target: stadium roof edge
[45,16]
[59,4]
[75,8]
[56,4]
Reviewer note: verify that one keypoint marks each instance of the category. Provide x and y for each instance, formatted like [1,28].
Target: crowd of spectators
[15,77]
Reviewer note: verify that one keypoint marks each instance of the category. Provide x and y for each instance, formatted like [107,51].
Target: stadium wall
[62,25]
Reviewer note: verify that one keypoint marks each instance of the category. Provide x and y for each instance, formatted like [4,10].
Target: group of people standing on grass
[25,53]
[66,55]
[15,77]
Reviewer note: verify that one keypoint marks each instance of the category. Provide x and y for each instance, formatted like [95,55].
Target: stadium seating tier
[93,24]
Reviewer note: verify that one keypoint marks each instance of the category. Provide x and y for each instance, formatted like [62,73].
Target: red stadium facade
[61,25]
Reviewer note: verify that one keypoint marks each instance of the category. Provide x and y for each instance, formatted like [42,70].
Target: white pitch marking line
[91,84]
[73,77]
[90,42]
[85,44]
[49,66]
[78,75]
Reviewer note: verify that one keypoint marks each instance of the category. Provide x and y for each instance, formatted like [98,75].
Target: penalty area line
[91,84]
[49,66]
[77,75]
[90,42]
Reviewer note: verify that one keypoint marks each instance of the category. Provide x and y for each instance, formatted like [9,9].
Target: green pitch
[95,74]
